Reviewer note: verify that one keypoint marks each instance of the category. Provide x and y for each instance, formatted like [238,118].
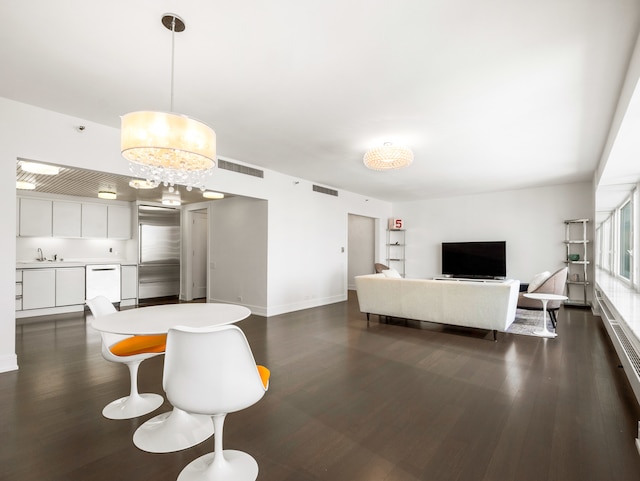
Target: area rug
[527,322]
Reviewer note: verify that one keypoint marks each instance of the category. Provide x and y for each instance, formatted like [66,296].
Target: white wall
[238,252]
[305,229]
[529,220]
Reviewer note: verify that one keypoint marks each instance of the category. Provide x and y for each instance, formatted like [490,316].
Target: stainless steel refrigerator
[159,254]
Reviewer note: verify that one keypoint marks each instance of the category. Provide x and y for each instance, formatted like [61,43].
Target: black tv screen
[474,260]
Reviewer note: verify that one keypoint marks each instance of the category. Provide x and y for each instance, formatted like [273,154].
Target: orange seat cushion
[140,345]
[265,374]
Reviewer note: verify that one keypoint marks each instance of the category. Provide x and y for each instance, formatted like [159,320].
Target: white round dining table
[159,319]
[174,430]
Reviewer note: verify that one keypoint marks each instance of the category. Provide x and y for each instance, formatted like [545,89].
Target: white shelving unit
[396,242]
[578,277]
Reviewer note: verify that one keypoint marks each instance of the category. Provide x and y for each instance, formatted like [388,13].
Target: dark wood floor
[346,402]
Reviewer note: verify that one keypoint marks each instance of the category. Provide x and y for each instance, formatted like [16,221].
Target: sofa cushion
[538,280]
[392,273]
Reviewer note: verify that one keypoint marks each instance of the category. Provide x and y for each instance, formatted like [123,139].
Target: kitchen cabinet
[69,286]
[94,221]
[119,222]
[38,288]
[35,217]
[129,280]
[67,218]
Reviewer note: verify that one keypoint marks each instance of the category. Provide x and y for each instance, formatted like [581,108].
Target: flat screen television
[474,260]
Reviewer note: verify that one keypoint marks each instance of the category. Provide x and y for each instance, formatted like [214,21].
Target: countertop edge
[62,264]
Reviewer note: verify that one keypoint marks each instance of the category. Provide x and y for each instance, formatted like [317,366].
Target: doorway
[197,254]
[361,250]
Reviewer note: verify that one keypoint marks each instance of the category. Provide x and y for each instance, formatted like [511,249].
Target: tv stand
[470,279]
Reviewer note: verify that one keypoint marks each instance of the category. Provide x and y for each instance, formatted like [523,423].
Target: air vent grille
[324,190]
[608,314]
[240,169]
[631,352]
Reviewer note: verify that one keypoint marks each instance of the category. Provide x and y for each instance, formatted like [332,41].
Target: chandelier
[168,148]
[387,157]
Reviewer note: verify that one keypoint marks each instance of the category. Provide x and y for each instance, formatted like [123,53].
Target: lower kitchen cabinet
[53,287]
[38,288]
[70,286]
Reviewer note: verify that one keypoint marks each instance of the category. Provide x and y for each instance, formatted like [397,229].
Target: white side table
[545,298]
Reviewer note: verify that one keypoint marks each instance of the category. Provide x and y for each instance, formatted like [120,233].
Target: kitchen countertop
[70,263]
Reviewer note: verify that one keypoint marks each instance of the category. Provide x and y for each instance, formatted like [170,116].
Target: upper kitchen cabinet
[67,219]
[64,217]
[119,222]
[94,221]
[35,217]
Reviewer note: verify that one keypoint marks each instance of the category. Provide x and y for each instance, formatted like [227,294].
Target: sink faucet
[41,257]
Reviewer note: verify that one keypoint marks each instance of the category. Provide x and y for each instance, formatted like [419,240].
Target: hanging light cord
[173,49]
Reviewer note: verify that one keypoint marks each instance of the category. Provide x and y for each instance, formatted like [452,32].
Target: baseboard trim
[9,363]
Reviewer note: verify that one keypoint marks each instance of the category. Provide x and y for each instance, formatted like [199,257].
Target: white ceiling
[490,95]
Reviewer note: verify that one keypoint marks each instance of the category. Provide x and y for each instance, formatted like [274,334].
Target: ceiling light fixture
[142,184]
[24,185]
[387,157]
[37,168]
[171,198]
[107,194]
[209,194]
[168,148]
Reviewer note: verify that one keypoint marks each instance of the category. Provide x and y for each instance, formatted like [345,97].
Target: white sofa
[469,303]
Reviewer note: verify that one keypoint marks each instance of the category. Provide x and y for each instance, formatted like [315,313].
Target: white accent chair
[135,404]
[212,371]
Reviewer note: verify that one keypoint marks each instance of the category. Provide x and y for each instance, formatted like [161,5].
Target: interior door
[361,250]
[199,253]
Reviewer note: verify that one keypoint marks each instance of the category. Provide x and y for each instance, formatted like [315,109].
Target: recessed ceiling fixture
[168,148]
[171,198]
[209,194]
[37,168]
[142,184]
[387,157]
[106,194]
[24,185]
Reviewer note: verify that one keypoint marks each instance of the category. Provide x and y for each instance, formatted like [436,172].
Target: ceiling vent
[324,190]
[240,169]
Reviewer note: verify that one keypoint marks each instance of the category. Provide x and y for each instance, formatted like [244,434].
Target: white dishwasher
[103,280]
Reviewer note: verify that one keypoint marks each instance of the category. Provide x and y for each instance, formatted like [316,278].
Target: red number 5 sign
[396,224]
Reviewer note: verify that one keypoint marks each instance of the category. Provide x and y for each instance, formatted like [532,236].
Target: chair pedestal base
[130,407]
[173,431]
[236,466]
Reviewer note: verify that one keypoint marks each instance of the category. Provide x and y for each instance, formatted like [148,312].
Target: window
[625,233]
[604,253]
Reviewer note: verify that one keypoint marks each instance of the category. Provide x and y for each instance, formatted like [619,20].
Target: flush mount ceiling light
[209,194]
[37,168]
[142,184]
[106,194]
[168,148]
[387,157]
[23,185]
[171,198]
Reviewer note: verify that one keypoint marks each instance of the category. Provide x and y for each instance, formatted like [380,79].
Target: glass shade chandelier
[387,157]
[168,148]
